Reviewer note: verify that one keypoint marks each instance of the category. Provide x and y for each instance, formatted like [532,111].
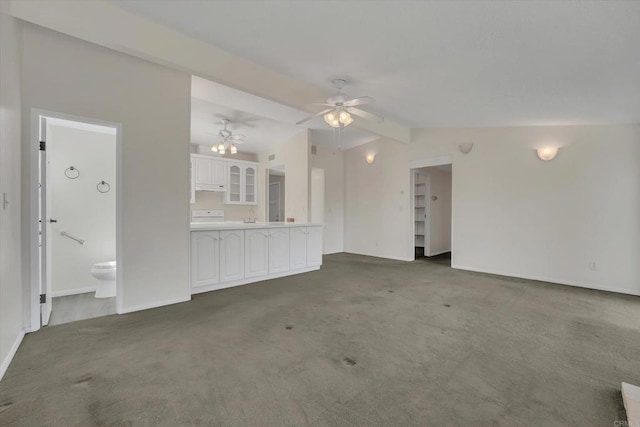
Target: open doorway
[75,216]
[276,192]
[431,219]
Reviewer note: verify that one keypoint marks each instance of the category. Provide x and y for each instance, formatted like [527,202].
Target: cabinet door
[235,185]
[279,250]
[192,170]
[205,254]
[203,171]
[298,251]
[219,174]
[256,249]
[249,184]
[231,255]
[314,246]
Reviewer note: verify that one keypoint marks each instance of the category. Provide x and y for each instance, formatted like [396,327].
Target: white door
[203,172]
[314,246]
[46,258]
[219,173]
[231,255]
[298,248]
[274,202]
[205,258]
[256,249]
[279,247]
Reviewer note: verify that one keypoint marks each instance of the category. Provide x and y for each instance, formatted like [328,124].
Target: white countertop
[237,225]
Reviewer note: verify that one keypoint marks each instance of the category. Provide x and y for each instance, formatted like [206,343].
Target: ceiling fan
[228,140]
[339,115]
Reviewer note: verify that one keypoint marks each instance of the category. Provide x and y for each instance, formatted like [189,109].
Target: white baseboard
[627,291]
[379,256]
[12,352]
[631,400]
[154,305]
[75,291]
[218,286]
[438,253]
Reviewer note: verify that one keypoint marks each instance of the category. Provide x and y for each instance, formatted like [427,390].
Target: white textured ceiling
[439,63]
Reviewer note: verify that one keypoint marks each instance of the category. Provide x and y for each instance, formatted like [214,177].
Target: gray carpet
[363,341]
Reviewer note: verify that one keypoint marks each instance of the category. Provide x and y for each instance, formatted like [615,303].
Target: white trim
[631,400]
[433,161]
[75,291]
[154,305]
[12,352]
[34,297]
[627,291]
[381,256]
[246,281]
[439,253]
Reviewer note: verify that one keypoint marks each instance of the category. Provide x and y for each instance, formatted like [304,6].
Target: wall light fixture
[547,153]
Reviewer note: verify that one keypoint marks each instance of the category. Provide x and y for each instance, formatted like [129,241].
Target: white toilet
[105,272]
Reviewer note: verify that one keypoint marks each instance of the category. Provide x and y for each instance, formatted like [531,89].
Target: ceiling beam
[106,24]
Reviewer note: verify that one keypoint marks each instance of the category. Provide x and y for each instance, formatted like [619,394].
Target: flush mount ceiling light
[341,108]
[228,141]
[547,153]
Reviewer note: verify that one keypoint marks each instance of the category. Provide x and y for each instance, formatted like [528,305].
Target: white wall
[11,289]
[333,165]
[512,213]
[377,220]
[294,155]
[79,208]
[439,215]
[152,103]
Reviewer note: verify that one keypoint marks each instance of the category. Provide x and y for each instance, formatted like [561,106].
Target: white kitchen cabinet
[248,253]
[192,170]
[231,255]
[256,252]
[279,248]
[242,178]
[314,246]
[210,173]
[298,248]
[205,254]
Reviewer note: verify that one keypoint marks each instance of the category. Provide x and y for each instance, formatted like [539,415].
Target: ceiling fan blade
[359,101]
[323,104]
[314,116]
[238,137]
[365,115]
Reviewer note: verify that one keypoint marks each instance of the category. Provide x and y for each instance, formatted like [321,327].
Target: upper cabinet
[237,178]
[210,174]
[242,183]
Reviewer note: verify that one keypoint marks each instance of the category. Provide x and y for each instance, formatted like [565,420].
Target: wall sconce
[547,153]
[465,148]
[370,158]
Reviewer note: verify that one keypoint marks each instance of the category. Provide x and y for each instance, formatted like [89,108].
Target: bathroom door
[45,228]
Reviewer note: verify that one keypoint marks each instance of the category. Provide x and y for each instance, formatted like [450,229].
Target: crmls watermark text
[623,423]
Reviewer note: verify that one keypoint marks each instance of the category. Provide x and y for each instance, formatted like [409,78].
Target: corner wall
[11,285]
[152,103]
[513,214]
[333,165]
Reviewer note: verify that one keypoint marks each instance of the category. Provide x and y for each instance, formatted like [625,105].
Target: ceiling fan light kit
[228,140]
[340,111]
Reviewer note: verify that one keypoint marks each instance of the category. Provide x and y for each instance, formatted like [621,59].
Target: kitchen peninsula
[226,254]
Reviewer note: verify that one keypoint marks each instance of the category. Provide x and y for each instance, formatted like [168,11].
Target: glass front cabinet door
[242,184]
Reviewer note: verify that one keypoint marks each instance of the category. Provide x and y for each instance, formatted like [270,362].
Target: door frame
[34,207]
[418,164]
[277,184]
